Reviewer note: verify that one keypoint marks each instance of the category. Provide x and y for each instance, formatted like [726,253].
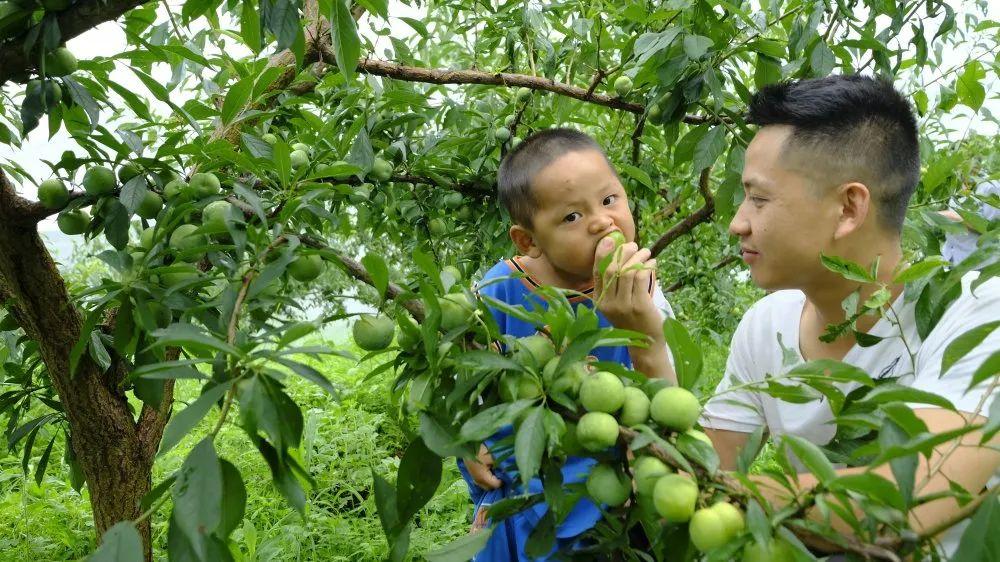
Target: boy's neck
[544,273]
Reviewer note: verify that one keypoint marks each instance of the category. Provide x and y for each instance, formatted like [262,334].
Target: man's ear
[524,241]
[856,208]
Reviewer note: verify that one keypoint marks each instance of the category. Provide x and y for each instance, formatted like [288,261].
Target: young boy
[564,198]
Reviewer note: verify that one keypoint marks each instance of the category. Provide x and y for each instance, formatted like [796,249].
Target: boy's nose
[601,223]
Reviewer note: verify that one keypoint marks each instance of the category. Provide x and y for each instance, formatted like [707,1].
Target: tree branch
[440,76]
[703,214]
[688,278]
[15,63]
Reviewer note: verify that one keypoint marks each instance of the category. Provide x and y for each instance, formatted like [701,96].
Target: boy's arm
[622,295]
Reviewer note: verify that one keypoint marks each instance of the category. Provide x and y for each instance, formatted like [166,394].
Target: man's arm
[968,464]
[728,445]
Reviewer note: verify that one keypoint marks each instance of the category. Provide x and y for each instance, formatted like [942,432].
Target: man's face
[784,222]
[579,201]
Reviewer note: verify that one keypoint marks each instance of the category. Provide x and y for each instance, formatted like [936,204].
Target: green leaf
[969,87]
[482,359]
[197,495]
[989,368]
[120,543]
[43,462]
[980,541]
[234,499]
[190,336]
[441,438]
[379,272]
[461,549]
[237,98]
[871,485]
[965,343]
[899,393]
[751,449]
[695,46]
[812,458]
[766,71]
[250,25]
[709,148]
[282,18]
[846,269]
[419,477]
[488,421]
[686,353]
[132,193]
[346,45]
[529,444]
[903,468]
[822,59]
[181,423]
[920,269]
[310,374]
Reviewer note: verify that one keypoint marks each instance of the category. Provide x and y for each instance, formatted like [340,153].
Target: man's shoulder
[774,306]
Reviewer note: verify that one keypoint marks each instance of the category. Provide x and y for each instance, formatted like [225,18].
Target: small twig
[703,214]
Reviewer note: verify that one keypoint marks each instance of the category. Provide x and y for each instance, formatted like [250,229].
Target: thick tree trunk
[114,451]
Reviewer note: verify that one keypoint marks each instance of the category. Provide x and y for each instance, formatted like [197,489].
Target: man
[830,172]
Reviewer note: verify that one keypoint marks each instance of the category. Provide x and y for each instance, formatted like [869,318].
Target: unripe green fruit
[731,516]
[508,121]
[205,184]
[700,436]
[453,271]
[150,205]
[453,200]
[183,239]
[409,337]
[502,134]
[269,138]
[608,486]
[301,146]
[53,193]
[60,62]
[99,181]
[570,442]
[127,172]
[373,332]
[570,380]
[214,215]
[635,410]
[623,85]
[647,471]
[179,273]
[464,213]
[519,387]
[381,169]
[655,112]
[674,497]
[774,550]
[708,530]
[73,222]
[618,237]
[675,408]
[437,227]
[597,431]
[602,392]
[360,194]
[523,94]
[306,268]
[299,158]
[535,349]
[515,141]
[146,239]
[456,310]
[175,188]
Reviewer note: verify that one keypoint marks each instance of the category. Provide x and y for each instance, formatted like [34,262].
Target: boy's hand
[481,470]
[622,291]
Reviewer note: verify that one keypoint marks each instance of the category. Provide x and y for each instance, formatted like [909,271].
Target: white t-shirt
[756,352]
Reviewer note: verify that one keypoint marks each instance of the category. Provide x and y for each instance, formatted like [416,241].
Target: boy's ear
[524,241]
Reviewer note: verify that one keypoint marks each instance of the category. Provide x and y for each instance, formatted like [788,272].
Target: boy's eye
[572,217]
[610,200]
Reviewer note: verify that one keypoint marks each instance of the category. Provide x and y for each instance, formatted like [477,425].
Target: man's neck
[825,298]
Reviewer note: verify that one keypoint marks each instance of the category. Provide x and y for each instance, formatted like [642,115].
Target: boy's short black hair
[849,128]
[520,166]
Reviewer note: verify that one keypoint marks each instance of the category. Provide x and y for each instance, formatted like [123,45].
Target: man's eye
[572,217]
[610,200]
[757,200]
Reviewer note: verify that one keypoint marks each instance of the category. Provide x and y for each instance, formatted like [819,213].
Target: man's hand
[481,470]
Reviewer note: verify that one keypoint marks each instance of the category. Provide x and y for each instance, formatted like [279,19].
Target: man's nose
[739,226]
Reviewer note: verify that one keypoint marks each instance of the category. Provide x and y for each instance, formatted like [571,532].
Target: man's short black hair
[526,160]
[849,128]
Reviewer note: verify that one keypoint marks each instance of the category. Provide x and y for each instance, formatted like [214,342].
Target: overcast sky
[109,39]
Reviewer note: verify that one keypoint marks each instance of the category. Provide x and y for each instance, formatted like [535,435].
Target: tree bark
[113,453]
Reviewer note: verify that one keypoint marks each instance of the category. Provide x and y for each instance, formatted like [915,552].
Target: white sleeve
[739,410]
[969,311]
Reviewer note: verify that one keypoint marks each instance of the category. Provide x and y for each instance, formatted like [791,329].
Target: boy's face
[579,200]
